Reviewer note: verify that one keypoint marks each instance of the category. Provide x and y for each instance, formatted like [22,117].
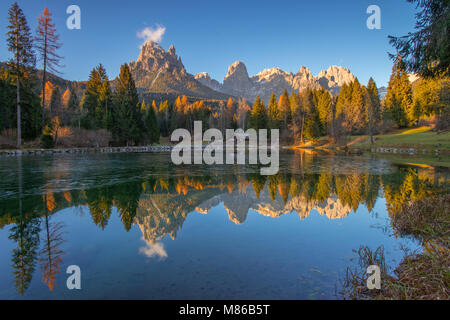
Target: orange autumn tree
[47,42]
[51,255]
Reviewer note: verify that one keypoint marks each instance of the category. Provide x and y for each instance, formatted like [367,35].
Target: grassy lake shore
[418,146]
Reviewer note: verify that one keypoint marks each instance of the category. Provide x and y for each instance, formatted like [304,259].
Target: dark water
[142,228]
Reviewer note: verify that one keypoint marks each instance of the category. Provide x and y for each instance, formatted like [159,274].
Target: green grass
[421,138]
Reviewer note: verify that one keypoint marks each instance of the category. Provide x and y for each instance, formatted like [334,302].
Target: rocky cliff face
[237,205]
[159,215]
[334,78]
[238,83]
[159,71]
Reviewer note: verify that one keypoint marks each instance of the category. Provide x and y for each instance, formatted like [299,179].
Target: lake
[140,227]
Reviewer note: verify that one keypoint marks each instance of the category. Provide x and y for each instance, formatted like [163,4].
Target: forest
[35,112]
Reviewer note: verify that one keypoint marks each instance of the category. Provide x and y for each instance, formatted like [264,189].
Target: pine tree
[229,113]
[55,100]
[258,118]
[47,42]
[343,106]
[73,102]
[427,50]
[311,121]
[98,100]
[323,103]
[165,118]
[127,121]
[356,113]
[20,44]
[150,123]
[284,107]
[398,99]
[432,98]
[372,107]
[297,116]
[273,113]
[104,109]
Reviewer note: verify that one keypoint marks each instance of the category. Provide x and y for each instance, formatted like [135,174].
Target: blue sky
[211,35]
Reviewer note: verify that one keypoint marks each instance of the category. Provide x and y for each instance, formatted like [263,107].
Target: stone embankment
[17,152]
[411,151]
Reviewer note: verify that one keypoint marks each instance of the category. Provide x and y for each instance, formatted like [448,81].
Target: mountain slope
[158,71]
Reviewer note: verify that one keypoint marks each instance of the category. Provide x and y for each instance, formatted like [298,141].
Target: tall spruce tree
[357,114]
[150,123]
[258,118]
[372,107]
[273,113]
[127,121]
[398,99]
[20,44]
[323,103]
[427,50]
[55,100]
[98,100]
[311,126]
[284,107]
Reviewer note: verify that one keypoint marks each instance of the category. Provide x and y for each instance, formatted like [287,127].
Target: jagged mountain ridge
[238,83]
[160,71]
[163,214]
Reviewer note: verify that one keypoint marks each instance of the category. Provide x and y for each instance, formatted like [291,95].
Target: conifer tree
[323,103]
[55,100]
[230,110]
[284,107]
[356,113]
[73,102]
[431,97]
[166,116]
[20,44]
[311,127]
[127,121]
[273,113]
[150,123]
[398,99]
[372,107]
[427,49]
[258,118]
[47,42]
[297,117]
[98,100]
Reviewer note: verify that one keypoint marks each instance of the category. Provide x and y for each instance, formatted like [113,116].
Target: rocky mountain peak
[205,79]
[237,70]
[237,81]
[270,73]
[171,50]
[154,58]
[335,77]
[304,73]
[160,71]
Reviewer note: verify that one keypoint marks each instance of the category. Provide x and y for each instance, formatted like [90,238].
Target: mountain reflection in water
[147,191]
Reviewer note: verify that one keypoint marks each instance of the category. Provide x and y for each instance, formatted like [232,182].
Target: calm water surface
[142,228]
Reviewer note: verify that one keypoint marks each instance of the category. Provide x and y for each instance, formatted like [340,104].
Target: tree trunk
[43,96]
[371,129]
[19,128]
[44,77]
[301,132]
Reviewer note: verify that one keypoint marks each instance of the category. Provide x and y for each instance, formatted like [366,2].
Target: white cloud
[154,250]
[153,34]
